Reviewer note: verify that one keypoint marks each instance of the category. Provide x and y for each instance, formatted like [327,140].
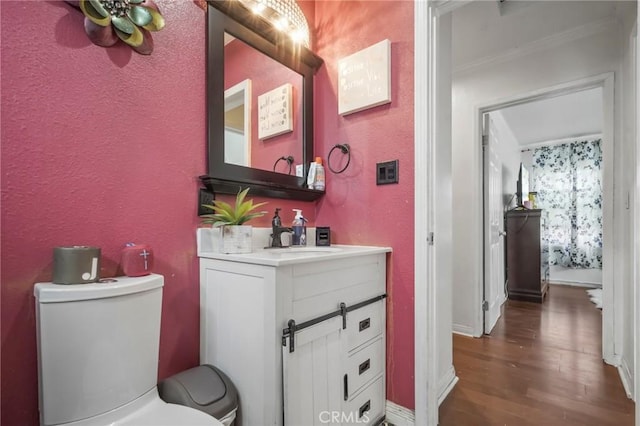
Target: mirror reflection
[264,125]
[237,124]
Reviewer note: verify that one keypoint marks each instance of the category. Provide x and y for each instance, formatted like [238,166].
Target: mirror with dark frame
[263,110]
[240,154]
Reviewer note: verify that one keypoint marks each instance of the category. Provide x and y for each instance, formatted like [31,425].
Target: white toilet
[98,355]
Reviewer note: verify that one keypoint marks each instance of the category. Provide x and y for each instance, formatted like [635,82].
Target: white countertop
[289,255]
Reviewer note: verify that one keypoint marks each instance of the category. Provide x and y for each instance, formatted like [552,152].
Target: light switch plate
[387,172]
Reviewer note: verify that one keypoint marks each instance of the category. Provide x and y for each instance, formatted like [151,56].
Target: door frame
[611,294]
[427,133]
[426,13]
[636,223]
[425,318]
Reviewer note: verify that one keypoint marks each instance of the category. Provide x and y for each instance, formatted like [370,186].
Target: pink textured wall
[103,146]
[358,211]
[99,147]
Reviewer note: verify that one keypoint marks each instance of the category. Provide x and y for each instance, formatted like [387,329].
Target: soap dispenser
[275,240]
[299,237]
[276,222]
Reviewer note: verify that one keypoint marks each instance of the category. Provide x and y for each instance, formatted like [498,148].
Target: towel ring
[344,147]
[288,159]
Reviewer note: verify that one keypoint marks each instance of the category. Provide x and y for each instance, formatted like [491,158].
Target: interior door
[493,226]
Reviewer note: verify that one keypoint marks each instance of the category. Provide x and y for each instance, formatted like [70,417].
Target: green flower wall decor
[107,21]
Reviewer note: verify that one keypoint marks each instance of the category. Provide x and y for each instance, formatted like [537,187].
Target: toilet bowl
[98,355]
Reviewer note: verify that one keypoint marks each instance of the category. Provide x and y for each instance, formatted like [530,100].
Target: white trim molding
[626,377]
[443,7]
[612,301]
[463,330]
[425,303]
[398,415]
[637,224]
[446,384]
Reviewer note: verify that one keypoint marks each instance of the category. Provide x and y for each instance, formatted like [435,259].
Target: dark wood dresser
[527,260]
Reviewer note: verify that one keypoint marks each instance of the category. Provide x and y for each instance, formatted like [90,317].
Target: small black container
[323,236]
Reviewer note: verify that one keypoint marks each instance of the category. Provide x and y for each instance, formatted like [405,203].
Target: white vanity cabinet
[336,375]
[331,301]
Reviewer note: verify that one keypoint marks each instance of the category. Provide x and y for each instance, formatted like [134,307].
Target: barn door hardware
[292,327]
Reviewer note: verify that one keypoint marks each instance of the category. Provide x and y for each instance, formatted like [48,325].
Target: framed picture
[364,79]
[275,112]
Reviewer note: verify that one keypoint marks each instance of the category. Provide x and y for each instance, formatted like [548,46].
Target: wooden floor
[541,365]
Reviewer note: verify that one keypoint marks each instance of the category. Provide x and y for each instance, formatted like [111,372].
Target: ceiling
[487,28]
[488,32]
[567,116]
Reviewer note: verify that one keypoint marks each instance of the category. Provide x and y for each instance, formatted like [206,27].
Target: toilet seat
[150,410]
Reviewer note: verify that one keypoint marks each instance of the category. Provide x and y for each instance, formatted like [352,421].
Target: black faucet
[277,229]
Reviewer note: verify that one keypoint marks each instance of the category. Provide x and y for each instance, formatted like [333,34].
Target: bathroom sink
[206,240]
[312,249]
[304,250]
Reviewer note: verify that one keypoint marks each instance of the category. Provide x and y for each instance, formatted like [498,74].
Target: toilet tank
[97,345]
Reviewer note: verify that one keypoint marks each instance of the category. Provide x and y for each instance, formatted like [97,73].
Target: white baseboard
[626,378]
[575,284]
[464,330]
[446,384]
[614,360]
[398,415]
[503,298]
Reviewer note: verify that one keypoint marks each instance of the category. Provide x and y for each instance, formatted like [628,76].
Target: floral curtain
[568,179]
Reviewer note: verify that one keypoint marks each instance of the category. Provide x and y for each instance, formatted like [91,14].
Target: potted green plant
[235,236]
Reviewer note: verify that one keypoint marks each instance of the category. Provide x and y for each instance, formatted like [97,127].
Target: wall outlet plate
[205,197]
[387,172]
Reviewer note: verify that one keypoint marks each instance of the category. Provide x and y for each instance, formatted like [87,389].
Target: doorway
[518,127]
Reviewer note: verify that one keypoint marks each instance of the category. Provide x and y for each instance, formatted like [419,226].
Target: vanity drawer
[364,324]
[364,365]
[368,406]
[319,288]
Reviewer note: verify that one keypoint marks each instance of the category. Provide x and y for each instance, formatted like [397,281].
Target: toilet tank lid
[56,293]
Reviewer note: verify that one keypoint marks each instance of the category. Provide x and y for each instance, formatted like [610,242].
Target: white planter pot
[235,238]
